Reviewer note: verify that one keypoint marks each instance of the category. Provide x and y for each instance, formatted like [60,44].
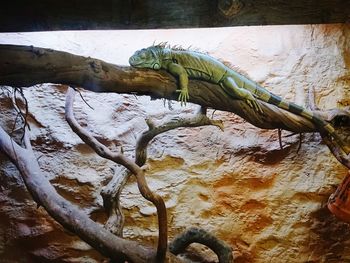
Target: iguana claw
[255,105]
[183,96]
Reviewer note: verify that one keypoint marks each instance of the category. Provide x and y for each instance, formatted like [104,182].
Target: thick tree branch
[23,66]
[118,158]
[68,215]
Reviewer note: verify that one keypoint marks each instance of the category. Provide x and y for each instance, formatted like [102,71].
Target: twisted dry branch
[119,158]
[111,193]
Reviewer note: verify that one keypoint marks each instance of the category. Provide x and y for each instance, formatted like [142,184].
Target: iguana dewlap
[191,64]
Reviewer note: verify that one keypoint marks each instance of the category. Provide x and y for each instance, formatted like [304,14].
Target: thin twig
[81,96]
[300,142]
[23,115]
[280,138]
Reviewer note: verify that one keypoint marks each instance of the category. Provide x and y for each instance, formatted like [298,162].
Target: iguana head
[146,58]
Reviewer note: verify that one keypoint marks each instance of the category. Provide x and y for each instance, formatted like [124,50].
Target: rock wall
[267,202]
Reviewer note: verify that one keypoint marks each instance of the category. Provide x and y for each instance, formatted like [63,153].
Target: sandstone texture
[268,203]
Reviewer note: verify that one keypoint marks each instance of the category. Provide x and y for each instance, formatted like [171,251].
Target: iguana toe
[183,96]
[259,109]
[255,106]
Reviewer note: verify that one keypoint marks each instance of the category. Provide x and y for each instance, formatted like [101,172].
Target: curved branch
[23,66]
[154,129]
[336,151]
[198,235]
[104,152]
[334,148]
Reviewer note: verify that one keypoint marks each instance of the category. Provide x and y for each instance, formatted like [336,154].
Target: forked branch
[154,129]
[111,193]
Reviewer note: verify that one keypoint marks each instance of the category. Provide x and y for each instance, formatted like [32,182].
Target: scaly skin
[190,64]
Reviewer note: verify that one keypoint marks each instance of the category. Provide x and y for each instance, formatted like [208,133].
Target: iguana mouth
[133,63]
[136,64]
[141,64]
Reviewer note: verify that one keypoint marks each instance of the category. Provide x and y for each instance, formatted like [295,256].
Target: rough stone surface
[267,203]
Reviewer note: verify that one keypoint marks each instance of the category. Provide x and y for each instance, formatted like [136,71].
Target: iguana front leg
[231,87]
[180,72]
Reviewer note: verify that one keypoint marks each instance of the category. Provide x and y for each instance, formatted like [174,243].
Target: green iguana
[192,64]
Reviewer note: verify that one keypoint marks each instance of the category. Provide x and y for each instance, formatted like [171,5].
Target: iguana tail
[264,95]
[319,122]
